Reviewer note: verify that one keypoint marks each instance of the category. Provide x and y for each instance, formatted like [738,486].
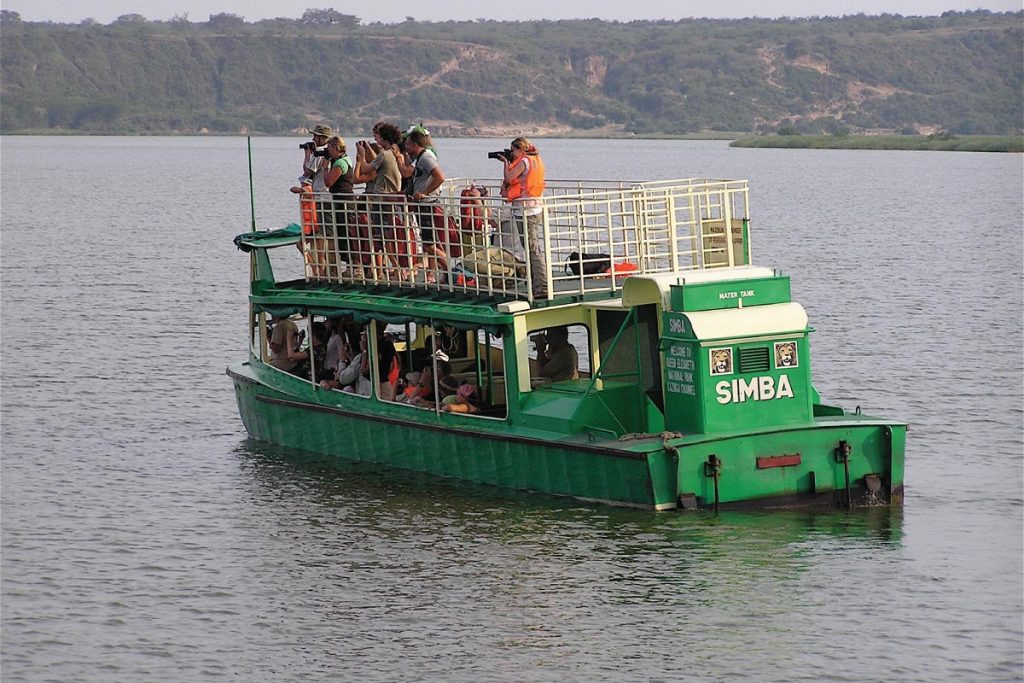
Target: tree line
[960,72]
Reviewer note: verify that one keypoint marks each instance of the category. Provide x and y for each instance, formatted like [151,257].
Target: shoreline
[928,143]
[1013,144]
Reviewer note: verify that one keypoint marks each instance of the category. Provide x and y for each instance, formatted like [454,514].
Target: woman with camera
[523,187]
[338,179]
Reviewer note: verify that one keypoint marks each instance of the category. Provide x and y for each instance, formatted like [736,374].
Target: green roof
[268,239]
[382,303]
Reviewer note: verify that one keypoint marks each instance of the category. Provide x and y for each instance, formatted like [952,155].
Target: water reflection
[531,578]
[326,486]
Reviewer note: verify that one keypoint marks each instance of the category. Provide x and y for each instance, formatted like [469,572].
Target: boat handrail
[593,234]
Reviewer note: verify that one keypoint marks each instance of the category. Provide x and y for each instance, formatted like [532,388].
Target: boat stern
[842,462]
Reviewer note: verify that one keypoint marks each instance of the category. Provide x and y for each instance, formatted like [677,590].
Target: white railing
[587,237]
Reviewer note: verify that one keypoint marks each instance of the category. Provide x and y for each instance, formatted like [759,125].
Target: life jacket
[308,208]
[394,371]
[534,185]
[472,211]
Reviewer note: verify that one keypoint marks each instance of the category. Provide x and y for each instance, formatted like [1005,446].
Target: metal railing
[582,236]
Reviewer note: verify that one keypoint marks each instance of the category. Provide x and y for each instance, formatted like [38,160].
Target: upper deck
[619,228]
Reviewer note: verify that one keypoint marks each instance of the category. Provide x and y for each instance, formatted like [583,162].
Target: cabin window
[447,368]
[286,344]
[559,353]
[343,365]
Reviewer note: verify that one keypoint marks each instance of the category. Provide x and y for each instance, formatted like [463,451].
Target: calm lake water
[146,538]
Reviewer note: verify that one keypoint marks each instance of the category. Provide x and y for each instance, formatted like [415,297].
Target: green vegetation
[943,143]
[960,72]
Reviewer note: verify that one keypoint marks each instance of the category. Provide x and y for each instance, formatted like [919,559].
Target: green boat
[692,382]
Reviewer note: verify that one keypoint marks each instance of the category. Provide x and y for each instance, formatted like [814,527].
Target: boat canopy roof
[382,304]
[268,239]
[638,290]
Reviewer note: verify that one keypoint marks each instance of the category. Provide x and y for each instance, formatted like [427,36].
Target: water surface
[145,537]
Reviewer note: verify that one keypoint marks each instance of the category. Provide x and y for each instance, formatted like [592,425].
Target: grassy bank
[960,143]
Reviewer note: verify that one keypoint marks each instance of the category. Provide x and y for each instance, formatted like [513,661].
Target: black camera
[321,152]
[507,153]
[308,144]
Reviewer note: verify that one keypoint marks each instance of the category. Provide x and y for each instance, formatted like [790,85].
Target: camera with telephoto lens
[321,152]
[507,153]
[308,144]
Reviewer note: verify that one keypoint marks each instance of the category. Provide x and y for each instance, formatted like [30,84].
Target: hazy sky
[105,11]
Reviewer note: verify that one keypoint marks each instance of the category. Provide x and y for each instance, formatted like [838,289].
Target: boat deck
[593,234]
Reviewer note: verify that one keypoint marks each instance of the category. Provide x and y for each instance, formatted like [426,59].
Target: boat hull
[654,473]
[513,461]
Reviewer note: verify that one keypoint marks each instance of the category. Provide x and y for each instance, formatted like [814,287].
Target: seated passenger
[335,345]
[419,390]
[284,345]
[389,367]
[318,345]
[446,384]
[352,372]
[557,357]
[450,341]
[464,400]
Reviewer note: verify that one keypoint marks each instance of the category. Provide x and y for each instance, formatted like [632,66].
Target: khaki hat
[321,129]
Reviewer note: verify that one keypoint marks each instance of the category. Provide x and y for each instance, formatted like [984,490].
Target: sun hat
[323,129]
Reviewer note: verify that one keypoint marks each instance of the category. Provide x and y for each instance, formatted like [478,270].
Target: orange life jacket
[394,371]
[308,207]
[534,186]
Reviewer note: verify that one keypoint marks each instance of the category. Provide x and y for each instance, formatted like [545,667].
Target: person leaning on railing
[427,178]
[523,187]
[310,185]
[377,166]
[338,179]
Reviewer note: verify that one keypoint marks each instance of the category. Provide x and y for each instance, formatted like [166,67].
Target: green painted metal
[447,445]
[877,448]
[708,296]
[397,306]
[649,472]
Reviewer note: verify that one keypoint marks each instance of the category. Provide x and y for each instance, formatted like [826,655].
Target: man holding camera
[557,357]
[310,182]
[313,165]
[523,187]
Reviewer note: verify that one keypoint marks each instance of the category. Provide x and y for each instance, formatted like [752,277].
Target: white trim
[743,323]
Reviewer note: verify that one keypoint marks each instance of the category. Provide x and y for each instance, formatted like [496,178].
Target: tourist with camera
[338,179]
[427,178]
[377,166]
[311,183]
[313,166]
[523,187]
